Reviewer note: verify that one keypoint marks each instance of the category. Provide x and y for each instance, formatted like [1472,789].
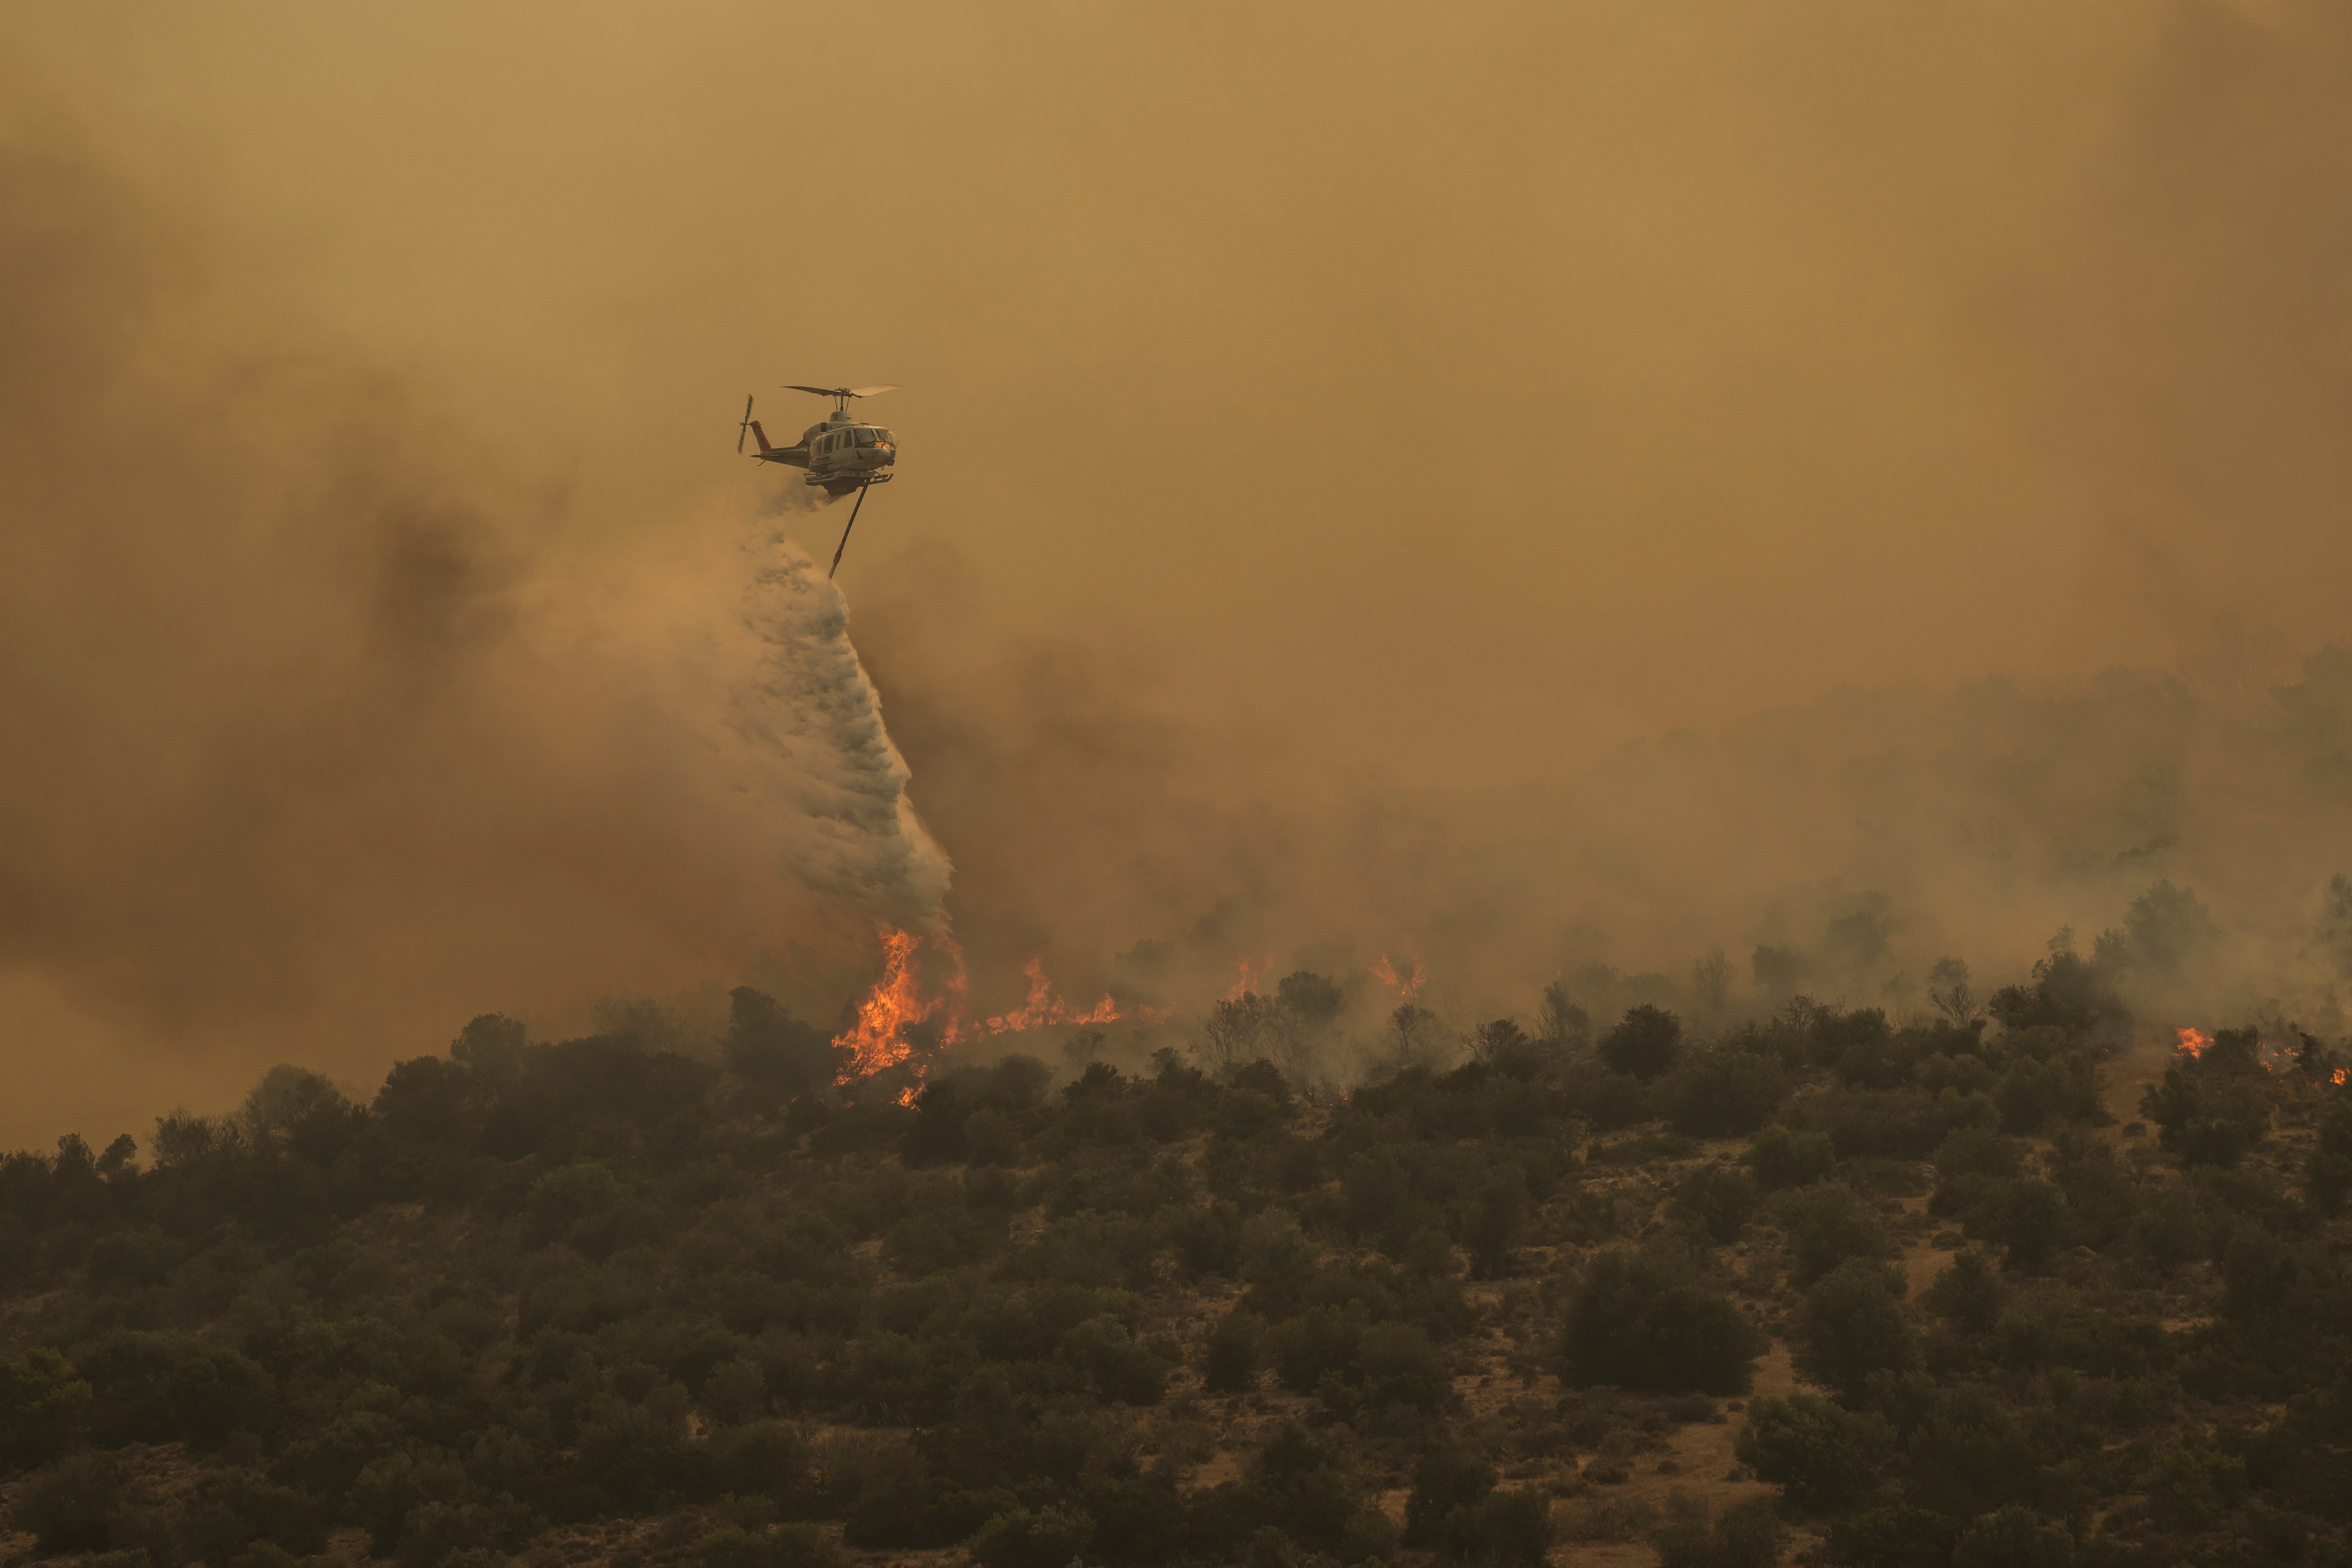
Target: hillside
[1824,1288]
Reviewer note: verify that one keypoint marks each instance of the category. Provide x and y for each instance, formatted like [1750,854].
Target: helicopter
[839,453]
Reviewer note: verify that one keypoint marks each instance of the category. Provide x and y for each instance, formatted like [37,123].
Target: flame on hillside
[878,1040]
[1044,1007]
[1406,987]
[1253,977]
[2193,1042]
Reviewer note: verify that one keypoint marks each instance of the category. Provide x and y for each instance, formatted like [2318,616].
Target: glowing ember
[1406,988]
[878,1038]
[2338,1076]
[2193,1042]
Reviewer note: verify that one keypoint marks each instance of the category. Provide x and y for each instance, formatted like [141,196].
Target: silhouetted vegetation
[721,1312]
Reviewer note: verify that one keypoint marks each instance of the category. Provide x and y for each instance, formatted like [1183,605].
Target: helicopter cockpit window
[885,437]
[866,438]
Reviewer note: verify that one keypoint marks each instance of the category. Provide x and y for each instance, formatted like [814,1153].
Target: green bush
[2012,1537]
[1648,1320]
[1747,1535]
[1448,1480]
[1046,1537]
[1828,1224]
[70,1507]
[1647,1042]
[1725,1092]
[1853,1325]
[1968,1293]
[168,1387]
[1783,1157]
[1718,1200]
[2027,1217]
[1230,1359]
[1821,1456]
[44,1406]
[1895,1535]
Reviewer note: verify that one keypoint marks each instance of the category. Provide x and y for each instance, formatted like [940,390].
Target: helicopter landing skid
[861,480]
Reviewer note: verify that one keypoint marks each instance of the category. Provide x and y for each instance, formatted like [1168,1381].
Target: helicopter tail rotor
[739,434]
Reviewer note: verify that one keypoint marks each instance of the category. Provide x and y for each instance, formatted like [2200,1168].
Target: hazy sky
[1428,395]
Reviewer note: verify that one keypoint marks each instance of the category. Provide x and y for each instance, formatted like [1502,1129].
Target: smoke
[813,750]
[2189,825]
[1465,594]
[327,730]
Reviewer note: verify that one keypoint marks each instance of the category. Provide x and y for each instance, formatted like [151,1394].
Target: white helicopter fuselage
[841,448]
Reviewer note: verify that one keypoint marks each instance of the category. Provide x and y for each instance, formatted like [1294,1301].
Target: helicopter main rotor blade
[844,532]
[842,391]
[872,391]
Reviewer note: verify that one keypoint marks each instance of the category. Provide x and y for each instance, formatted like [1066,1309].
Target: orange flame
[1253,975]
[1044,1007]
[2193,1042]
[1406,989]
[2338,1076]
[878,1038]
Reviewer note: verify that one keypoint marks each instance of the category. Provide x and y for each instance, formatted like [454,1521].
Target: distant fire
[878,1040]
[1044,1007]
[2338,1076]
[2193,1042]
[1254,976]
[1406,987]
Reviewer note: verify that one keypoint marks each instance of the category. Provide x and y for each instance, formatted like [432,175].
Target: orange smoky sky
[1330,435]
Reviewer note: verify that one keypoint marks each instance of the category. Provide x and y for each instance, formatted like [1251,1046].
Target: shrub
[1726,1092]
[1229,1362]
[1047,1538]
[1853,1325]
[2063,1087]
[1899,1535]
[233,1508]
[1448,1480]
[1302,1485]
[1747,1535]
[2026,1217]
[1968,1293]
[790,1546]
[1718,1200]
[1118,1368]
[1646,1321]
[1399,1366]
[70,1507]
[159,1388]
[1829,1225]
[2012,1537]
[2206,1118]
[44,1403]
[1783,1157]
[1821,1456]
[1504,1527]
[1646,1043]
